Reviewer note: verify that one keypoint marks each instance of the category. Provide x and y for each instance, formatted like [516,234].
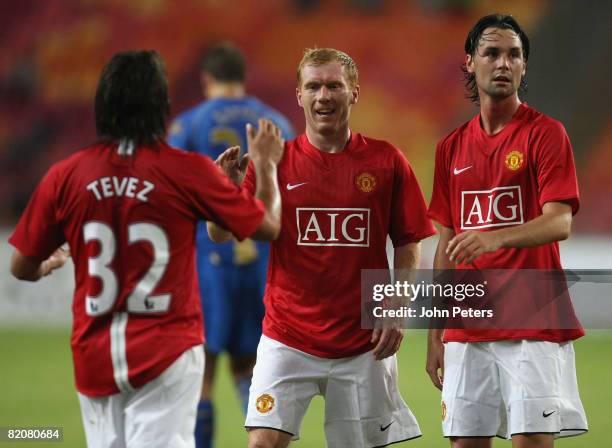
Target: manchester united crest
[443,411]
[514,160]
[365,182]
[264,403]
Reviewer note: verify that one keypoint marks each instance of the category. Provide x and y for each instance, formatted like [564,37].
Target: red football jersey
[337,212]
[130,223]
[486,182]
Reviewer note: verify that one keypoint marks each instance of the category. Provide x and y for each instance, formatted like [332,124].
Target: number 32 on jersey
[140,299]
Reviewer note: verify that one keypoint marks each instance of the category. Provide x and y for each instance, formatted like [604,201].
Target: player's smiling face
[498,63]
[326,97]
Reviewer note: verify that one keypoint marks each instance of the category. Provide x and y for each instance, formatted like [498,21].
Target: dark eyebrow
[494,47]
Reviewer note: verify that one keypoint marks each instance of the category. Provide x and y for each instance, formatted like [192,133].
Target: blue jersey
[210,128]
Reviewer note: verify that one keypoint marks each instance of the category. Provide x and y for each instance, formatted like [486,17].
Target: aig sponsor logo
[333,226]
[500,206]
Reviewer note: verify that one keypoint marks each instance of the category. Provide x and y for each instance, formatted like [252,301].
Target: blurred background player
[516,162]
[128,207]
[232,275]
[343,193]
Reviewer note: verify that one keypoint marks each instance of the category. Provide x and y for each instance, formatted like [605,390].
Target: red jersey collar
[351,145]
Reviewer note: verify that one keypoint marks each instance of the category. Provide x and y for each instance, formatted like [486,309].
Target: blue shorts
[232,303]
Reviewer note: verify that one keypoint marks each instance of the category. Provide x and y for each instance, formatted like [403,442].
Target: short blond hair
[321,56]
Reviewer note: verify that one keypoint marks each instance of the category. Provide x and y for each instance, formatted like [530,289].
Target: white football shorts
[504,388]
[363,406]
[161,414]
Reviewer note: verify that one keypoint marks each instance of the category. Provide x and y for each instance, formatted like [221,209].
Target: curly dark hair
[132,98]
[504,22]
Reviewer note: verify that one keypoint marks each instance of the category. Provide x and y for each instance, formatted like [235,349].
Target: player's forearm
[441,259]
[405,262]
[32,275]
[268,192]
[434,335]
[217,233]
[547,228]
[24,268]
[407,257]
[441,266]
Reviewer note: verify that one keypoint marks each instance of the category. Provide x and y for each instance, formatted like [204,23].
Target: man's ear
[355,94]
[469,63]
[207,83]
[298,95]
[205,79]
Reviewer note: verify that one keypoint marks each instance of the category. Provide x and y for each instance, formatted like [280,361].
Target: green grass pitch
[36,385]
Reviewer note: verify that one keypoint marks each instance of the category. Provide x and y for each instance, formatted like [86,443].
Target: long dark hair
[132,98]
[504,22]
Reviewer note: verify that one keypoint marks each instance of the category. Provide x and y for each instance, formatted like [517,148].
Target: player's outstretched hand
[265,143]
[55,261]
[232,165]
[387,340]
[465,247]
[435,360]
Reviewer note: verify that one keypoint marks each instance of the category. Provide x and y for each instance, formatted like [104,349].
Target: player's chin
[324,128]
[503,91]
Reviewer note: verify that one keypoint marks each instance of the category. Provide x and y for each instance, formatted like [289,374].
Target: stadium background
[408,53]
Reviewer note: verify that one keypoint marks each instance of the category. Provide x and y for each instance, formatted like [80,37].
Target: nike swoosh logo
[291,187]
[547,414]
[456,171]
[384,428]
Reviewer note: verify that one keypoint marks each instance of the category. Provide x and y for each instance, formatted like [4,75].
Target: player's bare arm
[435,348]
[265,150]
[25,268]
[389,340]
[235,169]
[553,225]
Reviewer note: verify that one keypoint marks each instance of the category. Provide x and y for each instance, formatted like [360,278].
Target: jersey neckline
[311,149]
[487,143]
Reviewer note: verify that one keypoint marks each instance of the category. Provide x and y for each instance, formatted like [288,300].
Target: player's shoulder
[275,114]
[71,168]
[185,168]
[381,153]
[186,115]
[185,159]
[296,150]
[90,152]
[183,121]
[296,142]
[195,113]
[258,104]
[378,146]
[271,113]
[540,122]
[448,141]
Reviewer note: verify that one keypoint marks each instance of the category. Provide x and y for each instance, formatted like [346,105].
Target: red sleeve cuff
[573,201]
[249,228]
[413,238]
[439,218]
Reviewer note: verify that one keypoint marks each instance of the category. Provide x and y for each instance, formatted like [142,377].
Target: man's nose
[504,61]
[324,94]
